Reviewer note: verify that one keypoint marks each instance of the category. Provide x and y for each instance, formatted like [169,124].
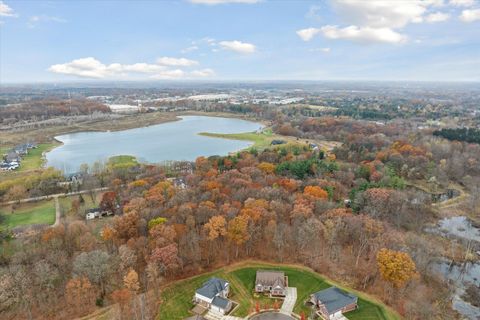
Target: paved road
[272,316]
[52,196]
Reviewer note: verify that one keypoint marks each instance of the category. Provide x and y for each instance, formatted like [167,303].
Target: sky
[215,40]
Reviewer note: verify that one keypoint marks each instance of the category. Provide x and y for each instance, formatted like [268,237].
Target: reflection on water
[461,276]
[460,227]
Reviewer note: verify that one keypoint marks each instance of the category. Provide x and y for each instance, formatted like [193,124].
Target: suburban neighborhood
[13,157]
[212,302]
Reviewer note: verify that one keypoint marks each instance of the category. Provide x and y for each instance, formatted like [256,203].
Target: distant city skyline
[242,40]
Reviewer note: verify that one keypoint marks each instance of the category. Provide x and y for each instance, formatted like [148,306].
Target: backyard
[177,297]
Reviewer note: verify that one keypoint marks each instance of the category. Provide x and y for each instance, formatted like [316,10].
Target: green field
[260,140]
[34,158]
[177,297]
[42,212]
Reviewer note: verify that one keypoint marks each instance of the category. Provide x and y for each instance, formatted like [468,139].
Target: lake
[178,140]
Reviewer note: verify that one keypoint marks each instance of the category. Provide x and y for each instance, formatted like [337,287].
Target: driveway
[289,302]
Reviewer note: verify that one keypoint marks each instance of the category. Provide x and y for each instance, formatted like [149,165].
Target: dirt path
[52,196]
[57,212]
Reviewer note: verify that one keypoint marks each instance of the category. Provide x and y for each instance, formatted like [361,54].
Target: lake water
[178,140]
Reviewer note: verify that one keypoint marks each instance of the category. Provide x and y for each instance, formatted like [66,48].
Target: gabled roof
[270,278]
[334,299]
[212,287]
[220,302]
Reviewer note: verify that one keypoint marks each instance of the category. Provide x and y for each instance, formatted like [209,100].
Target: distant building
[277,142]
[273,282]
[331,303]
[97,213]
[123,108]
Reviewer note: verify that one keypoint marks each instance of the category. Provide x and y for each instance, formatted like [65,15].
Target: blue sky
[45,41]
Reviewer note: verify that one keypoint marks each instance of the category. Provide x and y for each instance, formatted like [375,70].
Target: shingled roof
[270,278]
[220,302]
[335,299]
[212,287]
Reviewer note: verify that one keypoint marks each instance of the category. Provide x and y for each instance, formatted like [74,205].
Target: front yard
[176,299]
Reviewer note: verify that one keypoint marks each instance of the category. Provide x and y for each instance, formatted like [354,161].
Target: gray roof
[212,287]
[220,302]
[335,299]
[270,278]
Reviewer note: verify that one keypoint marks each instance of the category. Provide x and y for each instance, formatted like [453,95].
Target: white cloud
[324,50]
[308,34]
[6,11]
[94,69]
[462,3]
[238,46]
[142,67]
[437,17]
[313,12]
[363,35]
[85,67]
[33,21]
[203,73]
[470,15]
[177,62]
[214,2]
[376,21]
[381,13]
[189,49]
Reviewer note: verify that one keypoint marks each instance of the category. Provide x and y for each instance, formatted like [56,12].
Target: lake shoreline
[180,142]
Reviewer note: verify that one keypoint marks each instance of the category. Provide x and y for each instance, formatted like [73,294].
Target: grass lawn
[42,212]
[176,298]
[260,140]
[34,158]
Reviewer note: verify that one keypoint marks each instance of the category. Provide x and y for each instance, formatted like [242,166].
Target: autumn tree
[96,266]
[16,193]
[266,167]
[396,267]
[80,295]
[315,192]
[237,232]
[130,281]
[166,257]
[109,201]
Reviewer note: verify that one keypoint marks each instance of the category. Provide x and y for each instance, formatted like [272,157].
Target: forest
[346,213]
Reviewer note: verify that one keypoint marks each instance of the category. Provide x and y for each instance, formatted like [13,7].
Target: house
[331,303]
[277,142]
[12,156]
[213,295]
[270,281]
[92,213]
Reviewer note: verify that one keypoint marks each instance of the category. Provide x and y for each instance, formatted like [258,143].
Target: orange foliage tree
[315,192]
[396,267]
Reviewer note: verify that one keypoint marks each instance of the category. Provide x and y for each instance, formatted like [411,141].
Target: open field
[176,298]
[42,212]
[34,158]
[263,140]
